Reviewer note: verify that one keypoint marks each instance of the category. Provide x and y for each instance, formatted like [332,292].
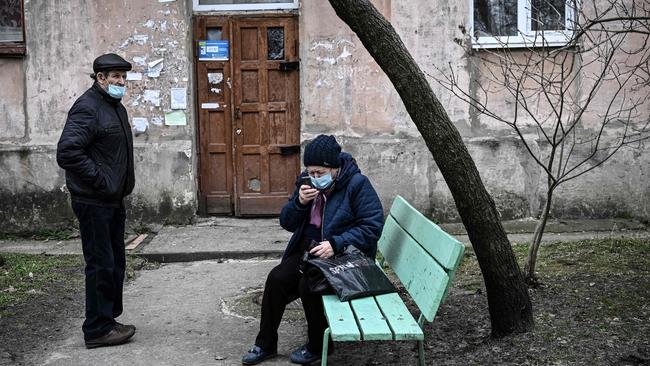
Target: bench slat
[442,246]
[372,323]
[400,320]
[343,325]
[422,276]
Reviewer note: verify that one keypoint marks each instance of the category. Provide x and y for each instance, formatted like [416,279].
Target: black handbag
[317,282]
[350,274]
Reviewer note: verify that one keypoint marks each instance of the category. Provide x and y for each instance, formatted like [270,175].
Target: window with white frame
[521,23]
[216,5]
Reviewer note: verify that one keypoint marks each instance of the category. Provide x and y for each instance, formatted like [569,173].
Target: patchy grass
[24,276]
[135,264]
[608,256]
[57,234]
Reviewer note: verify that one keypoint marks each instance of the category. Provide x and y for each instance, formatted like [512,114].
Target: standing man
[96,151]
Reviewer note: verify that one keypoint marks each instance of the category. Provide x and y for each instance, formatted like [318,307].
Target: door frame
[225,19]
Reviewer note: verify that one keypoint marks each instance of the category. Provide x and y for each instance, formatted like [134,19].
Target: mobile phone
[306,181]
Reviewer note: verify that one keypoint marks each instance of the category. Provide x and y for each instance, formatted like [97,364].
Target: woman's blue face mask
[322,182]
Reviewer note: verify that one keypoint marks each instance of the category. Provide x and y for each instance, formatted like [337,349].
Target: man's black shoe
[125,326]
[117,335]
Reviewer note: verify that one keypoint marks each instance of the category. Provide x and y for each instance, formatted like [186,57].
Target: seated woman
[341,209]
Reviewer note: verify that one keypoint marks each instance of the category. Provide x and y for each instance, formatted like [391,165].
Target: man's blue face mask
[322,182]
[116,91]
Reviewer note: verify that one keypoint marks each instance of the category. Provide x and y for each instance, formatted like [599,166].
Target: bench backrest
[422,255]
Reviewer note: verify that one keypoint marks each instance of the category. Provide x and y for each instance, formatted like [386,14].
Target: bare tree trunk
[508,300]
[529,268]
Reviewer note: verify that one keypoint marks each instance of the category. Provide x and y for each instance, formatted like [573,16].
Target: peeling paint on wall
[326,50]
[140,61]
[158,121]
[343,91]
[154,68]
[140,125]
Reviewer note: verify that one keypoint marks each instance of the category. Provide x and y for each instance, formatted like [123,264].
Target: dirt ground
[592,309]
[30,325]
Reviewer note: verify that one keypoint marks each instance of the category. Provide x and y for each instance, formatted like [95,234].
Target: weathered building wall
[62,39]
[343,92]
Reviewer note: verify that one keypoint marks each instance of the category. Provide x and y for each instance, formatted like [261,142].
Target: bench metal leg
[326,339]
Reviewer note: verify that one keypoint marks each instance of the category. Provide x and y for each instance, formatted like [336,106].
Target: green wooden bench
[424,258]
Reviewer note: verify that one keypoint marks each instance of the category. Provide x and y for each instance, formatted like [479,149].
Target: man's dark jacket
[353,214]
[96,150]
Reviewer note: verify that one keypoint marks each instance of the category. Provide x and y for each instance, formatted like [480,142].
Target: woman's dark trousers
[283,285]
[102,239]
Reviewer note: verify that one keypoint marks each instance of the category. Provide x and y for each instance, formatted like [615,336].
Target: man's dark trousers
[102,238]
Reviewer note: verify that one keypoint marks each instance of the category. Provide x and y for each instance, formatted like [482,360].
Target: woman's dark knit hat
[323,151]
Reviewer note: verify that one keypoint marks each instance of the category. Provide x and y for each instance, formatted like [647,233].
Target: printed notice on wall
[135,76]
[209,105]
[175,118]
[152,96]
[179,101]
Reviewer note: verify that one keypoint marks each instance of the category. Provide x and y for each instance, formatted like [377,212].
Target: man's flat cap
[110,61]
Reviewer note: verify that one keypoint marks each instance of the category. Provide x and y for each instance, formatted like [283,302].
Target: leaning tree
[571,107]
[509,303]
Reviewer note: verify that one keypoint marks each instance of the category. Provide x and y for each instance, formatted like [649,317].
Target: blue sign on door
[213,50]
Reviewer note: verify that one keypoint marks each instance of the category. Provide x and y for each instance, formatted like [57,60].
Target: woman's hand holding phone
[306,192]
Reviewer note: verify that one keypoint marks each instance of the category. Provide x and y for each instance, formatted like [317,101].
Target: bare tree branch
[584,99]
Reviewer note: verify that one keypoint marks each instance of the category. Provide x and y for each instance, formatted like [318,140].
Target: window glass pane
[214,34]
[495,18]
[11,21]
[228,2]
[275,43]
[548,15]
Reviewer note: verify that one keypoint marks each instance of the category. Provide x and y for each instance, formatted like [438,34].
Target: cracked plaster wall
[343,92]
[63,38]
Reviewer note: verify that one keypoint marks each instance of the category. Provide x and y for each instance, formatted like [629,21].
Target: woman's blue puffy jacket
[353,214]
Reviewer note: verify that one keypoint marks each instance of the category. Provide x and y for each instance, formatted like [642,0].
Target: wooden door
[214,111]
[249,136]
[267,129]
